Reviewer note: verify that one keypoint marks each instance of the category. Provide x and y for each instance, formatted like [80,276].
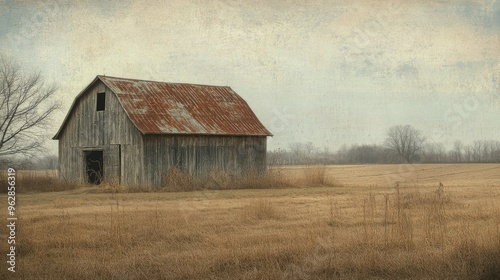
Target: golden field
[334,222]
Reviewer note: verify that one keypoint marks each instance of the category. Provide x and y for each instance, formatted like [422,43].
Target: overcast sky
[328,72]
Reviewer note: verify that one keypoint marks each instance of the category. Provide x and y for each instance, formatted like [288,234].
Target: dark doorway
[94,167]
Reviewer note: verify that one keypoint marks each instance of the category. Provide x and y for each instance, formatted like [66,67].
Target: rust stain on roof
[170,108]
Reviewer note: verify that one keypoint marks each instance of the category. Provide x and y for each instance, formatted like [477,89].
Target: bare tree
[405,141]
[48,162]
[309,148]
[297,149]
[441,152]
[26,104]
[488,150]
[458,146]
[477,149]
[496,152]
[468,154]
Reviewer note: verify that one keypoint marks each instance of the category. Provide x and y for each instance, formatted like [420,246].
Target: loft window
[101,101]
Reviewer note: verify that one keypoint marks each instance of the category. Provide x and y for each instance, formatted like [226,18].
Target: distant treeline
[307,153]
[481,151]
[30,163]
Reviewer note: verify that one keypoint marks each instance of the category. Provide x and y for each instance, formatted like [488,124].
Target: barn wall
[199,155]
[109,130]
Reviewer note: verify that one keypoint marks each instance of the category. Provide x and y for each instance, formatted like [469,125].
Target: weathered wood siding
[136,159]
[110,131]
[199,155]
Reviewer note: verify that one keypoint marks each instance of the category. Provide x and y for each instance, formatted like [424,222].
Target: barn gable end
[85,129]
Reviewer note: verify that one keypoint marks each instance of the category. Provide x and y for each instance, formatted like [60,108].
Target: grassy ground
[357,229]
[415,174]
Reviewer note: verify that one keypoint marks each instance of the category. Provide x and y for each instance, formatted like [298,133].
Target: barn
[135,131]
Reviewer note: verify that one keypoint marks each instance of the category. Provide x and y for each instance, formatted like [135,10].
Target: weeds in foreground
[349,236]
[421,233]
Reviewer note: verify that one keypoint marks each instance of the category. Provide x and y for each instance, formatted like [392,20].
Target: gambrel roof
[174,108]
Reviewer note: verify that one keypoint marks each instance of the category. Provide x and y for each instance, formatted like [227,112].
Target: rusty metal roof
[173,108]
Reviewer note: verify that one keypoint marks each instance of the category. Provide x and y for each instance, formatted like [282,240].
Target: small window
[101,101]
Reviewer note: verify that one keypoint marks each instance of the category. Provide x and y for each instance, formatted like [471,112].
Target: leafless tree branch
[26,104]
[405,141]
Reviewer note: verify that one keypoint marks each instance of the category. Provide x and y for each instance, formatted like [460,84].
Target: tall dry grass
[176,180]
[261,209]
[38,181]
[332,233]
[313,176]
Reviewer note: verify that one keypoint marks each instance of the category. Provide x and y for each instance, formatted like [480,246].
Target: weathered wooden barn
[134,131]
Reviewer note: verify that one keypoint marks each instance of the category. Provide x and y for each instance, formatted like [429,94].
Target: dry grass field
[338,222]
[383,175]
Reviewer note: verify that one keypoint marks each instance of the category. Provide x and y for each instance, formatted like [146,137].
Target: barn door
[112,163]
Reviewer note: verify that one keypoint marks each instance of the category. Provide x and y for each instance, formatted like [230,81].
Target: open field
[359,224]
[381,175]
